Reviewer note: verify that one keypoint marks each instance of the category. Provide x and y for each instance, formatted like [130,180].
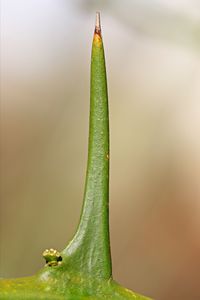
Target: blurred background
[153,65]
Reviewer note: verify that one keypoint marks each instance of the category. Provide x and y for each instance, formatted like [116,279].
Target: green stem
[83,270]
[90,248]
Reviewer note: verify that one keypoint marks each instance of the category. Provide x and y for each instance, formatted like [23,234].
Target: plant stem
[90,247]
[83,270]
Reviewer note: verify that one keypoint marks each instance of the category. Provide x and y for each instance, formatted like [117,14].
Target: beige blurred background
[153,65]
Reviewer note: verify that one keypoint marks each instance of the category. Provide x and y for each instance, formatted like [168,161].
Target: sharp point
[98,23]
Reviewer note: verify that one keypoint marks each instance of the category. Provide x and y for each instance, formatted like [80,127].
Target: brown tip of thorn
[98,23]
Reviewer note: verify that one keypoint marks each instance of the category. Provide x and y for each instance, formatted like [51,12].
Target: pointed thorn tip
[98,23]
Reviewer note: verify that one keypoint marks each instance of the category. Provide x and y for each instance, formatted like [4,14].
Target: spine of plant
[83,269]
[90,248]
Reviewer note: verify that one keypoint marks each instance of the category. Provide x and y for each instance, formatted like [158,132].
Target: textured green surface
[85,270]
